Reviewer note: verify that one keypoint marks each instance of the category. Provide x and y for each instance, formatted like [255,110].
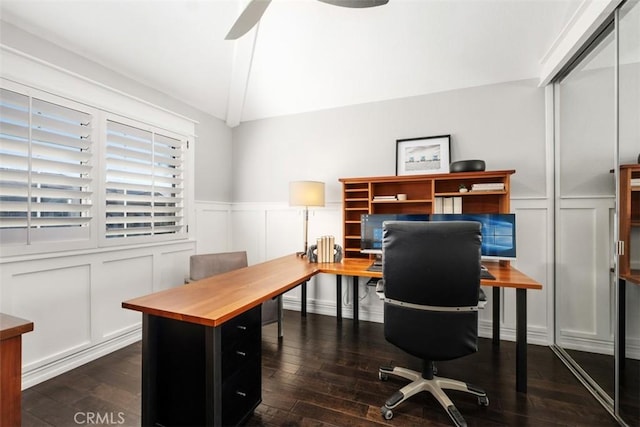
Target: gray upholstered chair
[431,278]
[205,265]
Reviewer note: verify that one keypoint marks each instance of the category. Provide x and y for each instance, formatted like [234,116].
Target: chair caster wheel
[382,376]
[387,413]
[483,401]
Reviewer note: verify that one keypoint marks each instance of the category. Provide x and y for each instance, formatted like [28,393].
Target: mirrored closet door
[627,398]
[597,129]
[585,207]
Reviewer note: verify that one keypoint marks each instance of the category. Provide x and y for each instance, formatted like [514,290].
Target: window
[75,177]
[45,169]
[144,182]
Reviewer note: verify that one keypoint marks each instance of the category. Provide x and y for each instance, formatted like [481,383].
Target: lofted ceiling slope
[305,55]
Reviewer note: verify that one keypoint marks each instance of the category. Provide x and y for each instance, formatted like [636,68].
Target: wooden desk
[201,357]
[192,336]
[11,330]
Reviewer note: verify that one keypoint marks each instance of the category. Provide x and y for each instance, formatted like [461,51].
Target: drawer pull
[242,327]
[241,353]
[241,393]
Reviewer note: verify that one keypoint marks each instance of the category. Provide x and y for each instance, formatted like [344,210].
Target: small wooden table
[11,330]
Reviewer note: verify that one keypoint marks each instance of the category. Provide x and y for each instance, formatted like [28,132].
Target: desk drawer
[237,355]
[241,393]
[242,327]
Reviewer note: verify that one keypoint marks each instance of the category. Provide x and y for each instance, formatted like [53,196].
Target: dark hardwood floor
[601,368]
[325,374]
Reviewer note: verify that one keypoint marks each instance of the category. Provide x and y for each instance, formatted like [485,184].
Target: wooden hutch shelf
[366,195]
[629,221]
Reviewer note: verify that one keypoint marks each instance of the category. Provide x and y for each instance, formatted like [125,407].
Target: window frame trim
[103,241]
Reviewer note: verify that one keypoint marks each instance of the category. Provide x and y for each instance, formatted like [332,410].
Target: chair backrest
[432,264]
[205,265]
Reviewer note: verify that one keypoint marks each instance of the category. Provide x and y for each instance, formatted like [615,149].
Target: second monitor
[498,231]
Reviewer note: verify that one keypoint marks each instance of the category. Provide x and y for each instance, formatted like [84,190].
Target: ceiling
[305,55]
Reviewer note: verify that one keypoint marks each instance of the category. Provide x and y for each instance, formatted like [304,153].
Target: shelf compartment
[485,204]
[471,193]
[407,208]
[359,195]
[415,190]
[352,230]
[354,215]
[452,185]
[402,201]
[360,204]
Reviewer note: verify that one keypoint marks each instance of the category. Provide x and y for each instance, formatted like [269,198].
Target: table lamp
[306,193]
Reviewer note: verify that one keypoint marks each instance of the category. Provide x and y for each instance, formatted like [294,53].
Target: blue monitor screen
[371,229]
[498,232]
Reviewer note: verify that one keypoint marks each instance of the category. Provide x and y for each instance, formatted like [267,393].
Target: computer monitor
[371,229]
[498,232]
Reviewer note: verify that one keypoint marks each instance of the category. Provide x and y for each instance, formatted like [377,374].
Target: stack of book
[447,205]
[488,186]
[635,182]
[383,198]
[325,248]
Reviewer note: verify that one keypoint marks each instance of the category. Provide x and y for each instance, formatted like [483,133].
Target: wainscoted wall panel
[532,217]
[75,301]
[284,231]
[249,232]
[585,251]
[127,278]
[212,227]
[172,269]
[577,294]
[57,300]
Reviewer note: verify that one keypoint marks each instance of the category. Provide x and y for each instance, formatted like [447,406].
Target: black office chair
[205,265]
[431,276]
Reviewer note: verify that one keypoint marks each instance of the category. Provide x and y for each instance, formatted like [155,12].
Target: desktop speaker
[467,166]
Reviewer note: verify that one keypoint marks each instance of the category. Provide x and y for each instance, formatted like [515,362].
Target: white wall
[503,124]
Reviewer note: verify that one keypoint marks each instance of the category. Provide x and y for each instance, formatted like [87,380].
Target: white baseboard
[65,364]
[598,346]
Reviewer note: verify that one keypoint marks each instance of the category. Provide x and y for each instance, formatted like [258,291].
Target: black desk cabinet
[198,375]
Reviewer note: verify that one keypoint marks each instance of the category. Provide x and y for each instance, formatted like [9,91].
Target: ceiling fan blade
[248,19]
[356,3]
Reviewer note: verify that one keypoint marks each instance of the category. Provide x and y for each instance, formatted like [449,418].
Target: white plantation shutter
[45,170]
[144,182]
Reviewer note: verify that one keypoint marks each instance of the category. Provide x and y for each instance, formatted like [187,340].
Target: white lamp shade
[306,193]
